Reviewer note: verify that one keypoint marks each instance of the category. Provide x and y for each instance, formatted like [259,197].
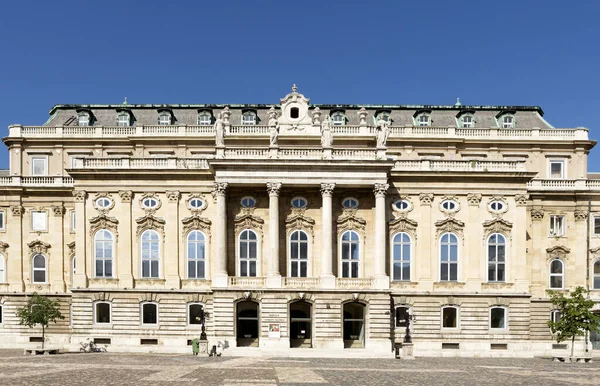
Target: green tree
[576,316]
[39,310]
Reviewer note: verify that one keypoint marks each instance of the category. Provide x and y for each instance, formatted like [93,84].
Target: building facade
[298,227]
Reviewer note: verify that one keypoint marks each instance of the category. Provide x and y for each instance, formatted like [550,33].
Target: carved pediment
[195,223]
[558,250]
[497,225]
[298,221]
[449,224]
[403,224]
[248,221]
[103,222]
[595,251]
[150,222]
[38,246]
[3,246]
[349,222]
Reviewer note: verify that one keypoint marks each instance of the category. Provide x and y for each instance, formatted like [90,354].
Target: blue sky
[506,52]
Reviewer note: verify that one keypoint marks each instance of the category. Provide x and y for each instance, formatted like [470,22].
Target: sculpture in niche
[219,131]
[383,132]
[326,136]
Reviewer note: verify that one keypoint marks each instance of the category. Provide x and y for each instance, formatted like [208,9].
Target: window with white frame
[249,118]
[39,220]
[38,263]
[557,274]
[73,221]
[196,248]
[508,122]
[556,169]
[73,268]
[299,202]
[498,317]
[385,116]
[103,253]
[596,225]
[350,203]
[338,118]
[467,121]
[83,119]
[2,220]
[102,313]
[401,315]
[39,165]
[596,275]
[448,257]
[496,258]
[150,203]
[248,202]
[195,311]
[248,253]
[204,118]
[423,120]
[401,254]
[1,313]
[123,119]
[449,317]
[150,254]
[557,225]
[350,254]
[299,254]
[149,313]
[164,118]
[2,269]
[555,316]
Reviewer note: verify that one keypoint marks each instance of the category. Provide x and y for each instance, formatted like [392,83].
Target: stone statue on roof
[273,127]
[326,135]
[382,133]
[219,131]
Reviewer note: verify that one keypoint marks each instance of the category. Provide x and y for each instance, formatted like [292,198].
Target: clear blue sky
[509,52]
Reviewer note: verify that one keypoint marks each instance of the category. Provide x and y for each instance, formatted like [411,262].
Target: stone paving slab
[157,369]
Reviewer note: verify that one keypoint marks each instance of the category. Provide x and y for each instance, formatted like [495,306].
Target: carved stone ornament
[398,212]
[348,221]
[316,116]
[273,188]
[173,195]
[474,199]
[148,210]
[521,199]
[71,247]
[3,246]
[537,214]
[501,200]
[301,295]
[426,199]
[103,222]
[497,225]
[595,251]
[298,221]
[451,225]
[403,224]
[58,210]
[150,222]
[362,116]
[449,212]
[105,209]
[80,195]
[355,296]
[327,189]
[220,189]
[195,223]
[557,251]
[38,246]
[580,215]
[198,210]
[247,295]
[17,210]
[248,221]
[226,113]
[380,189]
[126,195]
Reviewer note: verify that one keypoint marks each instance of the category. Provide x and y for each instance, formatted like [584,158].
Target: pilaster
[327,278]
[220,278]
[81,277]
[274,276]
[14,233]
[382,281]
[171,267]
[125,261]
[56,266]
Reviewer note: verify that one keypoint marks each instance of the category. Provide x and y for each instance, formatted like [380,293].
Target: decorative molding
[3,246]
[220,189]
[80,195]
[521,199]
[58,210]
[474,199]
[348,221]
[580,215]
[595,251]
[497,213]
[173,195]
[558,251]
[497,225]
[103,222]
[196,211]
[499,301]
[197,297]
[273,188]
[426,199]
[71,247]
[100,209]
[537,214]
[397,212]
[126,195]
[150,211]
[298,221]
[327,189]
[17,210]
[451,212]
[195,223]
[380,190]
[150,222]
[248,221]
[451,225]
[38,246]
[403,224]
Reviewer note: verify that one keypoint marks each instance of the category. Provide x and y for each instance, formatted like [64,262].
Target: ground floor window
[149,313]
[247,324]
[300,324]
[195,312]
[102,313]
[354,325]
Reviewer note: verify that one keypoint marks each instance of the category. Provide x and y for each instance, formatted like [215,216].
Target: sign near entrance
[274,330]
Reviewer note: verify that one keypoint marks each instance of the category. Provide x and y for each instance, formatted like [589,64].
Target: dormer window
[204,118]
[423,120]
[338,118]
[83,119]
[123,119]
[164,118]
[249,118]
[508,122]
[467,121]
[383,116]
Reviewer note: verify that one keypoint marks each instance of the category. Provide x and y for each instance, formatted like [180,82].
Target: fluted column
[327,278]
[382,281]
[219,278]
[81,277]
[274,277]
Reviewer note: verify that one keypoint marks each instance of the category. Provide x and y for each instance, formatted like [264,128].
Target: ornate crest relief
[557,252]
[71,247]
[150,222]
[38,246]
[497,225]
[103,222]
[195,223]
[248,221]
[348,221]
[3,247]
[298,221]
[449,224]
[403,224]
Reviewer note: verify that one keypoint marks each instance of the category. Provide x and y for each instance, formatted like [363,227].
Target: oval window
[402,204]
[299,202]
[449,204]
[103,202]
[196,203]
[496,206]
[248,202]
[350,203]
[150,202]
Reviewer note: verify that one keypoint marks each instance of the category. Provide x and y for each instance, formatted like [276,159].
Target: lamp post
[407,337]
[202,318]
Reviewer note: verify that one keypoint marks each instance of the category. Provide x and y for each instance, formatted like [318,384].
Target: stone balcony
[301,282]
[563,185]
[37,181]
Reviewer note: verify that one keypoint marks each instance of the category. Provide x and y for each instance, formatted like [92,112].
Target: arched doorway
[354,325]
[300,324]
[247,324]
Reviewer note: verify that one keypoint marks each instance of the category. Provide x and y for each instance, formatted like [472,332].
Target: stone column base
[407,351]
[328,281]
[173,282]
[274,281]
[220,280]
[381,282]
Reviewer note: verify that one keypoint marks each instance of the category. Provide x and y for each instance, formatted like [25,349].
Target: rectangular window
[39,166]
[2,220]
[102,313]
[467,121]
[597,225]
[557,226]
[39,221]
[424,120]
[498,318]
[449,317]
[508,122]
[149,313]
[73,221]
[557,169]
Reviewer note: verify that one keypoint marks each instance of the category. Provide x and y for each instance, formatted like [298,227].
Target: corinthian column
[274,277]
[327,278]
[382,281]
[219,279]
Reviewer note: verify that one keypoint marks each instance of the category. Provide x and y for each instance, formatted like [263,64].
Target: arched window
[401,251]
[248,254]
[73,269]
[196,246]
[338,118]
[150,254]
[354,325]
[350,254]
[554,316]
[103,253]
[249,118]
[299,254]
[449,317]
[195,311]
[39,268]
[2,269]
[149,313]
[164,118]
[123,119]
[596,276]
[557,274]
[448,257]
[496,257]
[102,312]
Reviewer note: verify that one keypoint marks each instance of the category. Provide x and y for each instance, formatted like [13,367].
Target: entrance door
[300,324]
[354,325]
[595,339]
[247,324]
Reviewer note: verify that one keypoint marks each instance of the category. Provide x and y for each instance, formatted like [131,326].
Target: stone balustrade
[459,165]
[140,163]
[41,181]
[247,282]
[354,282]
[301,282]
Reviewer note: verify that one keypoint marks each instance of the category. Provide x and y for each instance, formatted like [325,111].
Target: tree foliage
[39,310]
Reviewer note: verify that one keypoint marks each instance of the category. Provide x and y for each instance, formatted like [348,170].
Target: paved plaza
[154,369]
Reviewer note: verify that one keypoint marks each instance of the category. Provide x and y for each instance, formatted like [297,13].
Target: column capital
[173,195]
[273,188]
[80,195]
[380,190]
[220,189]
[327,189]
[17,210]
[125,195]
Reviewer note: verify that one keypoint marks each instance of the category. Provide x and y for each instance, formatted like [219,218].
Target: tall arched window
[39,268]
[299,254]
[150,254]
[596,276]
[248,254]
[103,253]
[196,246]
[496,257]
[557,274]
[401,251]
[2,269]
[448,257]
[73,268]
[350,254]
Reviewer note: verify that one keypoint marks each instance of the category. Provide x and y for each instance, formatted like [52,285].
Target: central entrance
[247,324]
[354,325]
[300,324]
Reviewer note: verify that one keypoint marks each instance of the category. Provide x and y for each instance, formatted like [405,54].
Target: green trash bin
[195,346]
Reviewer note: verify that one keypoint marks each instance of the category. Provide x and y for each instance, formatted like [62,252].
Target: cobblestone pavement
[154,369]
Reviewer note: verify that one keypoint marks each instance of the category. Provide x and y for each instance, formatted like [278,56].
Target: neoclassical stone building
[298,226]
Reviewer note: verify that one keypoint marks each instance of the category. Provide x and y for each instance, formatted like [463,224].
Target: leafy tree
[39,310]
[576,315]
